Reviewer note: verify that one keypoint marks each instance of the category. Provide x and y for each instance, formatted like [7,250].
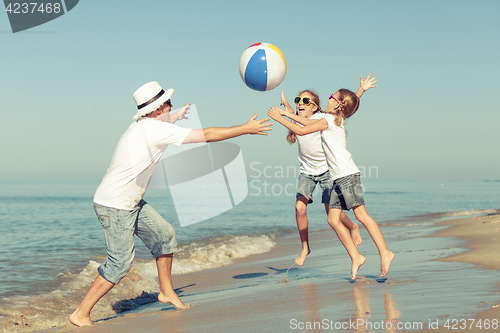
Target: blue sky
[66,86]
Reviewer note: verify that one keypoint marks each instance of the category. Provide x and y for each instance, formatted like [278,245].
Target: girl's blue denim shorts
[119,228]
[307,183]
[347,192]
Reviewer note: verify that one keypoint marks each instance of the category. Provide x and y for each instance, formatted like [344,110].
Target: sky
[66,86]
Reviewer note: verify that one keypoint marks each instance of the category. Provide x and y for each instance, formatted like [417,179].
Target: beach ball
[262,66]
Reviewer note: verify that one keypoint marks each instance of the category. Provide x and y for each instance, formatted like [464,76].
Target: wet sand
[482,239]
[433,279]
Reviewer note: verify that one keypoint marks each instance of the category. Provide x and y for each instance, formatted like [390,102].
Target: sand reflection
[309,293]
[361,304]
[357,294]
[363,312]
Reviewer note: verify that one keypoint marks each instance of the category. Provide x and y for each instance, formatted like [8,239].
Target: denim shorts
[347,192]
[307,183]
[119,228]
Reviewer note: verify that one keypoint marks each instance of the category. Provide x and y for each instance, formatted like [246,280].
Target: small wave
[470,212]
[435,217]
[138,287]
[218,252]
[405,224]
[475,212]
[385,193]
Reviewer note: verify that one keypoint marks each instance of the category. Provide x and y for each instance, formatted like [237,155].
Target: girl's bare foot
[355,235]
[302,257]
[80,321]
[356,264]
[385,262]
[174,300]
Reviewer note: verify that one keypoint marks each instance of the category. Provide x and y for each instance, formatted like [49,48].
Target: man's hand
[180,114]
[258,126]
[183,111]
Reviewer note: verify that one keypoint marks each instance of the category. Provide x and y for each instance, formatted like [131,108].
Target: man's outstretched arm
[212,134]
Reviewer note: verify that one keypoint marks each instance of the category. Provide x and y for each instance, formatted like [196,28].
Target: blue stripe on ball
[256,71]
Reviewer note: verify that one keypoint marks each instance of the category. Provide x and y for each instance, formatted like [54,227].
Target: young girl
[313,166]
[346,189]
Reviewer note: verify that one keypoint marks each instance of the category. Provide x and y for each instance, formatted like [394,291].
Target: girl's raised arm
[364,85]
[288,108]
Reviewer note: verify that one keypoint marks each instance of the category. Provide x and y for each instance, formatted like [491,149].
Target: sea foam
[140,286]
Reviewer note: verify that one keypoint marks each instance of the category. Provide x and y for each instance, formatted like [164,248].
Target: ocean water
[51,242]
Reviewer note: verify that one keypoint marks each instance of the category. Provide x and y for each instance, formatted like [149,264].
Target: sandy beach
[481,235]
[443,272]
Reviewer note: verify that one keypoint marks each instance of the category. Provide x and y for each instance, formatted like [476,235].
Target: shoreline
[252,295]
[481,235]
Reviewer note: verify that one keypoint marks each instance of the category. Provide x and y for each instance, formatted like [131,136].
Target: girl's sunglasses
[337,100]
[305,100]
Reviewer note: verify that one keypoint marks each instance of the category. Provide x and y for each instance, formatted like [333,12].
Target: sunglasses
[337,100]
[305,100]
[168,102]
[331,96]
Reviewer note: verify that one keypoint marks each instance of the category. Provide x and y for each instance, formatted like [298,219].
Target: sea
[51,242]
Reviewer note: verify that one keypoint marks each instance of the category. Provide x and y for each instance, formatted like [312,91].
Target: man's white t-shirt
[134,161]
[334,143]
[311,155]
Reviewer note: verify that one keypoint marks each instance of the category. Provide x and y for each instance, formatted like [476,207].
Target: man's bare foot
[356,264]
[79,321]
[174,300]
[355,235]
[385,262]
[302,257]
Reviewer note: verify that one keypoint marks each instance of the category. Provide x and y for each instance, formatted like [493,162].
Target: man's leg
[167,293]
[159,236]
[99,288]
[118,227]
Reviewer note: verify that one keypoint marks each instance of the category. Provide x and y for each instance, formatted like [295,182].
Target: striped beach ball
[262,66]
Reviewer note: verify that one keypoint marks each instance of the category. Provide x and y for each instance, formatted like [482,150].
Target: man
[118,200]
